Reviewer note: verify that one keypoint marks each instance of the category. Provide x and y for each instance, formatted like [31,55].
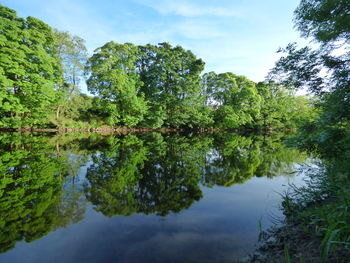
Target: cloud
[188,9]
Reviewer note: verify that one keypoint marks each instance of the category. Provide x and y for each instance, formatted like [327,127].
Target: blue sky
[240,36]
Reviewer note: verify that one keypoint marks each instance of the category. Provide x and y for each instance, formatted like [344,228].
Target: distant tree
[72,54]
[281,108]
[209,88]
[235,98]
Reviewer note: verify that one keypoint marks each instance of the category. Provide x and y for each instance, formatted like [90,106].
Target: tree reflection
[172,173]
[31,179]
[161,173]
[235,159]
[114,176]
[150,175]
[43,188]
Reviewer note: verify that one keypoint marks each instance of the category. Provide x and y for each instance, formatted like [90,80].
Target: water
[139,198]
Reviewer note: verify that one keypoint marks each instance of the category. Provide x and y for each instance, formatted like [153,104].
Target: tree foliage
[325,20]
[171,78]
[237,99]
[113,78]
[325,70]
[72,55]
[29,70]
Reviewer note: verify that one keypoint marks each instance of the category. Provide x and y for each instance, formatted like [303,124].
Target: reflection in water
[32,198]
[46,183]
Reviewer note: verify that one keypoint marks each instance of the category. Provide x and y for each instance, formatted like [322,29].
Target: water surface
[139,198]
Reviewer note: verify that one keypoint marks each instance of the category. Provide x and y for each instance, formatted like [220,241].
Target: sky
[239,36]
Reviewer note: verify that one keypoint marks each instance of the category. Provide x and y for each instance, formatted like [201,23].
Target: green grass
[322,208]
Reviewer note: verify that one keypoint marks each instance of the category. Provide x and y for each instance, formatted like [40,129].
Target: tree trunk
[58,112]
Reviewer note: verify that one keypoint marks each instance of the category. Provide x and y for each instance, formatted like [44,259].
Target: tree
[113,78]
[209,88]
[281,108]
[327,22]
[29,70]
[235,98]
[72,53]
[171,84]
[325,70]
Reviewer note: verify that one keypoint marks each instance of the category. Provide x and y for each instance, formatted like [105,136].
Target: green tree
[209,88]
[327,22]
[171,84]
[325,71]
[72,53]
[114,79]
[29,70]
[235,98]
[280,108]
[73,56]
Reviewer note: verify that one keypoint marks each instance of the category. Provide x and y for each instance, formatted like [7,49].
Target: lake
[153,197]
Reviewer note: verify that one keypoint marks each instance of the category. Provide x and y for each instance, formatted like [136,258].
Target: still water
[140,198]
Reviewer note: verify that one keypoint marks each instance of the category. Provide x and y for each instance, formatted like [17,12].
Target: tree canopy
[113,78]
[30,70]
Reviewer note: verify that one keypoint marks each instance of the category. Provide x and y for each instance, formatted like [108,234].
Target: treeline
[150,86]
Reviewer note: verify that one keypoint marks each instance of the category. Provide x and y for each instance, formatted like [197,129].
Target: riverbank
[99,130]
[294,242]
[316,227]
[122,130]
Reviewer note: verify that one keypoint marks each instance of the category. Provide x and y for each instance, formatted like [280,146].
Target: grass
[317,219]
[322,210]
[286,254]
